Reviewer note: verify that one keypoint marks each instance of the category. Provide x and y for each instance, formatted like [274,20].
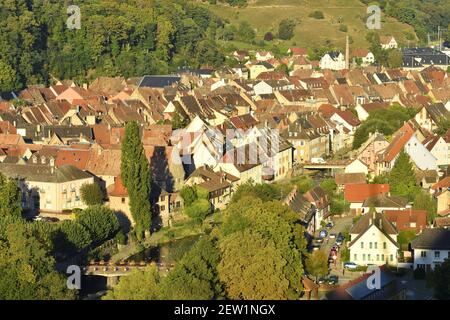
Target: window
[382,257]
[376,245]
[368,257]
[370,245]
[364,256]
[378,257]
[384,245]
[123,200]
[392,257]
[423,254]
[437,254]
[362,245]
[355,257]
[163,208]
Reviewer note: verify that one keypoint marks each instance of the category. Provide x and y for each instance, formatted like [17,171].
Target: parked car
[323,234]
[333,280]
[350,265]
[38,218]
[333,236]
[338,243]
[321,280]
[329,225]
[318,240]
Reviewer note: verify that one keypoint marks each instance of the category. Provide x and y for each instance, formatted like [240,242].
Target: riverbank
[166,235]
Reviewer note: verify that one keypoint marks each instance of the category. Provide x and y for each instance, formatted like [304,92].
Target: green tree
[135,175]
[72,237]
[189,195]
[329,186]
[139,285]
[402,178]
[424,201]
[91,194]
[443,126]
[8,78]
[261,253]
[246,32]
[100,222]
[440,280]
[316,15]
[195,275]
[286,29]
[317,264]
[10,197]
[404,238]
[27,268]
[395,59]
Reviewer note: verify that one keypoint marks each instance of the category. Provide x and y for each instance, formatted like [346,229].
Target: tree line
[127,38]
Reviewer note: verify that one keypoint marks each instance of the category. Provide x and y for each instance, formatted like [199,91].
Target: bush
[317,15]
[121,238]
[343,28]
[91,194]
[286,29]
[419,273]
[100,221]
[71,237]
[198,210]
[268,36]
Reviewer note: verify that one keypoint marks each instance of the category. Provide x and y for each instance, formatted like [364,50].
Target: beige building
[307,142]
[48,189]
[373,241]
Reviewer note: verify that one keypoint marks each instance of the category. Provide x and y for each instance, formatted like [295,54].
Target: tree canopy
[135,174]
[402,178]
[91,194]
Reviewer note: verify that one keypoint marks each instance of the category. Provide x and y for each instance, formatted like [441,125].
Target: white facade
[441,152]
[368,60]
[327,62]
[262,88]
[356,166]
[373,247]
[429,258]
[420,155]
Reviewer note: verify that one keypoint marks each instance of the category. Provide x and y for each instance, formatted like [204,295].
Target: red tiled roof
[401,137]
[444,183]
[118,189]
[402,219]
[360,192]
[76,158]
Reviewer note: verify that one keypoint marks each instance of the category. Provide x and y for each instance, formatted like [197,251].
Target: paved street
[340,224]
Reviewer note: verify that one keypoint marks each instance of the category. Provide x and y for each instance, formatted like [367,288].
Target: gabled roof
[158,81]
[401,137]
[403,219]
[385,201]
[350,178]
[360,192]
[376,219]
[442,184]
[433,239]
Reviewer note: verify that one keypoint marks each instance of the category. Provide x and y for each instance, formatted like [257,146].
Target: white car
[317,160]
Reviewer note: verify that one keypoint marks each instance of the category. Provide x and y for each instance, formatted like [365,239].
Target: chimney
[347,53]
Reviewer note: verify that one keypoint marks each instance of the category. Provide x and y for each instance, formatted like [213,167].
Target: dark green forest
[127,38]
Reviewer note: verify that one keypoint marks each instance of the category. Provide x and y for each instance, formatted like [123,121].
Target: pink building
[369,151]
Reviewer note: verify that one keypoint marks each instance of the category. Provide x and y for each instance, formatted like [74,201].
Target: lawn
[265,15]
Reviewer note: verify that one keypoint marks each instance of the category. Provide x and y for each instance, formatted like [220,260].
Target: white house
[262,88]
[388,42]
[264,55]
[438,148]
[431,248]
[367,57]
[373,241]
[333,61]
[356,166]
[420,155]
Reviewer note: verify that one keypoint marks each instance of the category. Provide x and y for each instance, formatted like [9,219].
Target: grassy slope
[265,16]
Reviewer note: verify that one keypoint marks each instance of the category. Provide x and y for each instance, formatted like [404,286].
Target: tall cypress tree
[402,178]
[135,173]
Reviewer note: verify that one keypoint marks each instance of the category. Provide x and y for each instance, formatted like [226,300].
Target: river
[93,287]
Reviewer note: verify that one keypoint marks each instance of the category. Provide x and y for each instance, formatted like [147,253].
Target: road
[340,224]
